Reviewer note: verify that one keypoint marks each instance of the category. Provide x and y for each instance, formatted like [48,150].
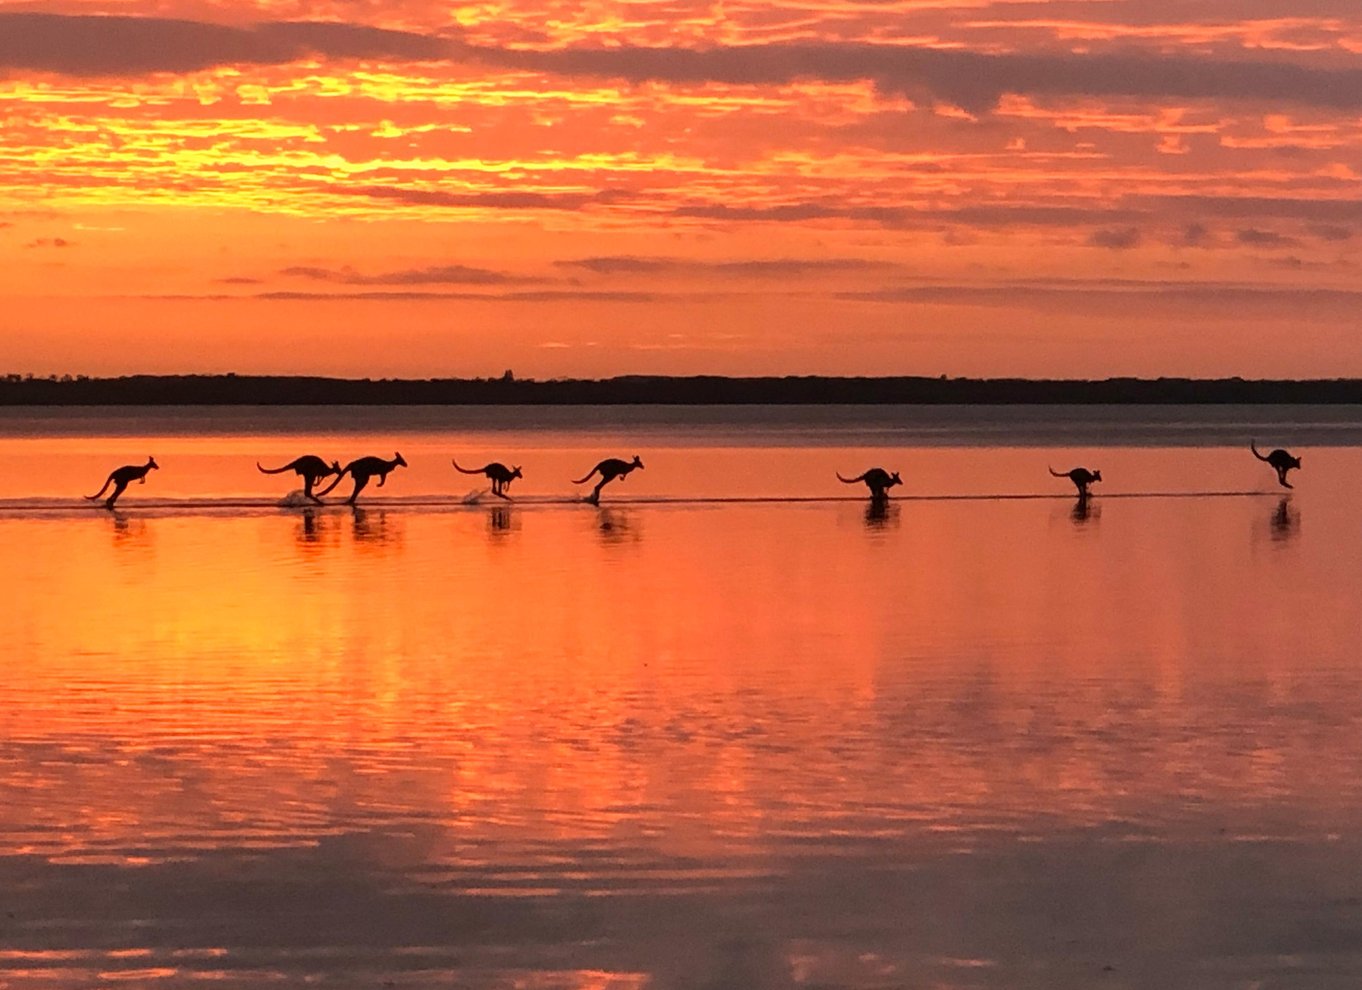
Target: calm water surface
[963,743]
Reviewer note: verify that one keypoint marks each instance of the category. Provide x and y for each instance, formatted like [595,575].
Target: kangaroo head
[894,479]
[637,463]
[1097,476]
[515,472]
[151,463]
[397,460]
[335,467]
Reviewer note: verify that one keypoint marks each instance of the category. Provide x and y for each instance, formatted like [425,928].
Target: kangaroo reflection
[1285,521]
[1085,510]
[372,526]
[616,526]
[881,512]
[500,519]
[127,532]
[307,530]
[316,531]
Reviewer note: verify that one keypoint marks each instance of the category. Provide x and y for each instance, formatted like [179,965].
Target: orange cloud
[574,185]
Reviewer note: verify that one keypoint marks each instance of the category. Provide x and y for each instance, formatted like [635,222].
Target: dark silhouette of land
[230,389]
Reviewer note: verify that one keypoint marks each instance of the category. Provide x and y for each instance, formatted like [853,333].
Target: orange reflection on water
[707,681]
[563,746]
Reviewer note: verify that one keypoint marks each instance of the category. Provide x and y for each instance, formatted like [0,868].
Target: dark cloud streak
[530,296]
[84,45]
[1127,295]
[431,275]
[754,268]
[1263,238]
[972,80]
[80,45]
[509,200]
[1118,239]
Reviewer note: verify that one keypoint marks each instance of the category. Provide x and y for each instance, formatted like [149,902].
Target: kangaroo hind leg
[118,490]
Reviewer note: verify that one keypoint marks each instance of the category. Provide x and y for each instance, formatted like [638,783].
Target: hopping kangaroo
[310,468]
[1281,462]
[120,478]
[1081,477]
[499,474]
[878,480]
[609,469]
[364,469]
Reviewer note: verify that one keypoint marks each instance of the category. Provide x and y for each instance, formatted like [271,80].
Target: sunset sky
[411,188]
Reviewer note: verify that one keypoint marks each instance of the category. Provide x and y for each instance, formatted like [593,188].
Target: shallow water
[959,743]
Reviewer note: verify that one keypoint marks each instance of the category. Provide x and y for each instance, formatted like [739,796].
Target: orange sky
[399,187]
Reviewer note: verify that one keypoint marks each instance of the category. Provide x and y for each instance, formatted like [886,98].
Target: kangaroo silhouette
[1081,477]
[878,480]
[499,474]
[310,468]
[120,478]
[609,469]
[364,469]
[1281,462]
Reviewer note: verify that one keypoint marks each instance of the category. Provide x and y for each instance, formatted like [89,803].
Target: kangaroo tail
[1254,447]
[582,481]
[1057,474]
[460,469]
[848,481]
[265,470]
[107,482]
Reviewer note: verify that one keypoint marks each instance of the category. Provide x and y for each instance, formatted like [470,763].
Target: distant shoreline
[251,390]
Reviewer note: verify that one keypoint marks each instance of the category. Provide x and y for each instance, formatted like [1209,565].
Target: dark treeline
[657,390]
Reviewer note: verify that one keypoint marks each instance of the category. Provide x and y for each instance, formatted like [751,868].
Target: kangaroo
[364,469]
[609,469]
[1281,462]
[499,474]
[1081,477]
[878,480]
[120,478]
[310,468]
